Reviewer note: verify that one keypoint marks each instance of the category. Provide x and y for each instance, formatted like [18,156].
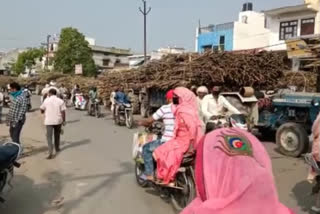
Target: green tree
[27,59]
[73,49]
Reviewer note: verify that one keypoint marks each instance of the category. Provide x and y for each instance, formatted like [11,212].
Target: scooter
[80,102]
[123,114]
[235,121]
[9,154]
[183,192]
[94,108]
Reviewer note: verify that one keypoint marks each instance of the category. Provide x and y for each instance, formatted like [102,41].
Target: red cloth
[169,95]
[187,130]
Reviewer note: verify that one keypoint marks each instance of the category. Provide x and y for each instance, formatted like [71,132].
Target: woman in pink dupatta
[188,131]
[234,176]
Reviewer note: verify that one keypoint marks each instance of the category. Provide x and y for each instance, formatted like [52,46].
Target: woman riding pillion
[234,176]
[187,133]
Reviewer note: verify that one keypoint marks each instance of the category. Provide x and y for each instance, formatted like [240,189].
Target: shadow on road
[73,121]
[69,145]
[302,193]
[28,197]
[107,183]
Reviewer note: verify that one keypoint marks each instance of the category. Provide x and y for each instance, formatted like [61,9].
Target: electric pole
[145,13]
[48,51]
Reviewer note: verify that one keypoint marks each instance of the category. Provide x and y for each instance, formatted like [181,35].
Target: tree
[73,49]
[27,59]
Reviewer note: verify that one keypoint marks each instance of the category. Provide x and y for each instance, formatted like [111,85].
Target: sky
[118,23]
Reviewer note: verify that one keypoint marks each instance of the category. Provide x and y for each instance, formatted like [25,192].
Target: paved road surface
[94,173]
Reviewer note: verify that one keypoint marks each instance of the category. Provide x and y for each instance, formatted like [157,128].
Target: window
[288,29]
[207,47]
[307,26]
[106,62]
[222,43]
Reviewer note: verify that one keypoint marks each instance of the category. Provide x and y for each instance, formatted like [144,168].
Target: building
[157,55]
[105,58]
[110,58]
[292,21]
[8,59]
[247,32]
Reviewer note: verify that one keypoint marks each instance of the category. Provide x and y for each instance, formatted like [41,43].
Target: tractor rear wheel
[292,139]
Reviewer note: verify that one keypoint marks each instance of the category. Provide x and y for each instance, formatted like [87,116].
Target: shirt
[165,113]
[210,106]
[53,108]
[121,97]
[18,109]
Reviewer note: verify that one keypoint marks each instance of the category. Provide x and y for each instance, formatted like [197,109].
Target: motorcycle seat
[8,154]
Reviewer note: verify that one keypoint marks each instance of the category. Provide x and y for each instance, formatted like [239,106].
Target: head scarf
[169,95]
[203,89]
[234,176]
[15,94]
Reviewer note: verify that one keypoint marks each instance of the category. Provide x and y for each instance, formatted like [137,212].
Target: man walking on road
[17,113]
[55,116]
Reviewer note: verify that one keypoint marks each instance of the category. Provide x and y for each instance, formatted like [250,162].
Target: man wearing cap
[214,105]
[202,91]
[165,113]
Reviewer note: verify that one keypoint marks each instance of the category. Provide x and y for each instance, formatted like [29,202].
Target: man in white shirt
[215,105]
[54,109]
[165,114]
[202,91]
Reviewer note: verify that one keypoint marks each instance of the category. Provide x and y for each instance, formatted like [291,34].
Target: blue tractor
[291,115]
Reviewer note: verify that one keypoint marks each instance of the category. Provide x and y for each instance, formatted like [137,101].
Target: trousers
[53,131]
[147,152]
[15,131]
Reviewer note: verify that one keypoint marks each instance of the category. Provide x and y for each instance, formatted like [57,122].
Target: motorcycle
[183,192]
[6,101]
[9,154]
[123,114]
[235,121]
[94,108]
[80,102]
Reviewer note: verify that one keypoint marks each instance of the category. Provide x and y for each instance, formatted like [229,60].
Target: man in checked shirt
[17,113]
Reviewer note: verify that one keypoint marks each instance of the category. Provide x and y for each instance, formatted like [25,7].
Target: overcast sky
[25,23]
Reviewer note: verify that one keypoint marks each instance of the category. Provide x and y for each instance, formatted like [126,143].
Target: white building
[157,55]
[292,21]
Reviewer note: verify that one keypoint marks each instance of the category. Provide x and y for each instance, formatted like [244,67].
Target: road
[94,172]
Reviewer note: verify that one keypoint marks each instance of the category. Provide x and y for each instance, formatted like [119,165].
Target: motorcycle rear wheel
[182,198]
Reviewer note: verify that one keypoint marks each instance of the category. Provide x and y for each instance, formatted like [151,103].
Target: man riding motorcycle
[120,99]
[93,95]
[165,114]
[213,107]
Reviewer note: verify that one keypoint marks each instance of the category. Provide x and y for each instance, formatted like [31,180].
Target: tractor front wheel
[292,139]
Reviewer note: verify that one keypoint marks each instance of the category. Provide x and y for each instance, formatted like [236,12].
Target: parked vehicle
[183,192]
[123,115]
[9,154]
[151,100]
[291,116]
[94,109]
[80,102]
[6,101]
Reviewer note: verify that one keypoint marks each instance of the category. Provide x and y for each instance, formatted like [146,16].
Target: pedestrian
[17,112]
[54,110]
[1,105]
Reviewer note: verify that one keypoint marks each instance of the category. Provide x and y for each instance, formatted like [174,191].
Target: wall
[212,38]
[273,24]
[252,34]
[98,58]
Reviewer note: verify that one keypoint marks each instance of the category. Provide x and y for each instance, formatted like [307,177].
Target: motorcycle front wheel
[129,120]
[180,198]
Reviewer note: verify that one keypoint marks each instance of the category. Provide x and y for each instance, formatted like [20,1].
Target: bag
[139,140]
